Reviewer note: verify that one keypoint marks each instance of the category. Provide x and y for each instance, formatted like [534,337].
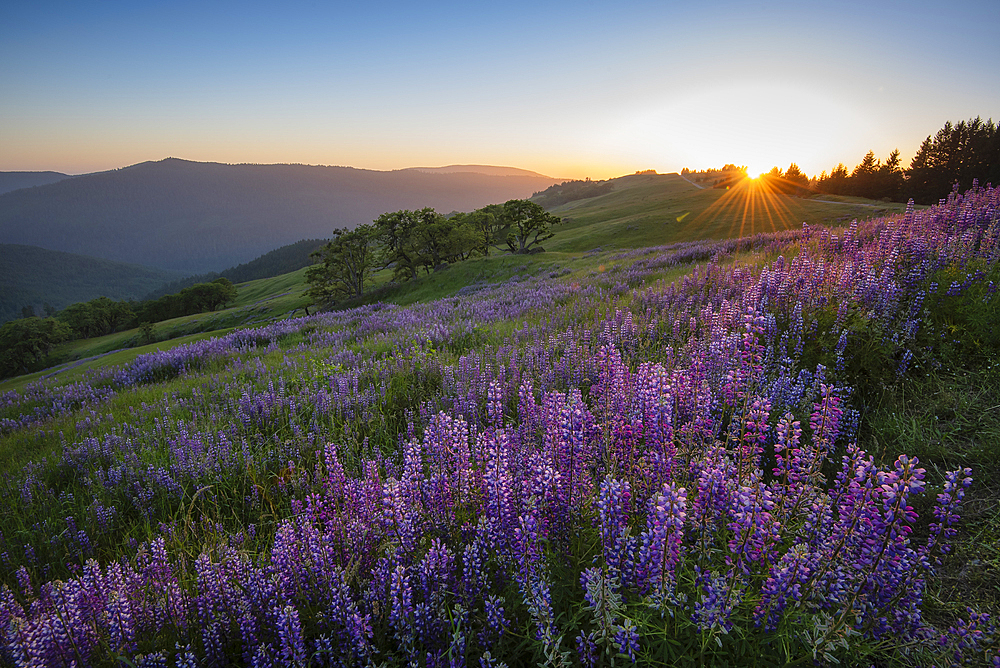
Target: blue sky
[567,89]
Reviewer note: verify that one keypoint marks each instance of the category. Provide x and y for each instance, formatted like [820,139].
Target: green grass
[657,209]
[68,372]
[257,302]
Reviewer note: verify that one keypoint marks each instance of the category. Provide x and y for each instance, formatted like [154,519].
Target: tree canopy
[527,224]
[408,241]
[345,265]
[956,156]
[25,344]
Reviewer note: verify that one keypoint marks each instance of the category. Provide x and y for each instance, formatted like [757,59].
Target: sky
[568,89]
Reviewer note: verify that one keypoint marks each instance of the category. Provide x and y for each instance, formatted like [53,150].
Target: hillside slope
[10,181]
[197,217]
[31,276]
[650,209]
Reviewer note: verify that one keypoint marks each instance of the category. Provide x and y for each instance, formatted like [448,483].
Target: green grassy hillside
[655,209]
[752,413]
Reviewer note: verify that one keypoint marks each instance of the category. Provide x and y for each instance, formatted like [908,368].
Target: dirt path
[72,365]
[830,201]
[690,181]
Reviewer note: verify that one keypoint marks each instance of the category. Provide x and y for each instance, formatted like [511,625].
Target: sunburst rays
[753,206]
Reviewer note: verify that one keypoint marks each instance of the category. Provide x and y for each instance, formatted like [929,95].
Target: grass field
[657,209]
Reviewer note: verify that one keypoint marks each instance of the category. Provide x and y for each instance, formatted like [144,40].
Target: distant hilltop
[10,181]
[480,169]
[196,217]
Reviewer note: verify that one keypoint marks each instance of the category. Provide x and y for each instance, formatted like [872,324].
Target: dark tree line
[956,156]
[872,178]
[102,316]
[571,191]
[197,298]
[411,242]
[25,344]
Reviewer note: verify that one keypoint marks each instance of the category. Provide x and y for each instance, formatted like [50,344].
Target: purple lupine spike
[660,545]
[945,510]
[755,531]
[586,649]
[825,419]
[784,585]
[293,647]
[501,493]
[613,507]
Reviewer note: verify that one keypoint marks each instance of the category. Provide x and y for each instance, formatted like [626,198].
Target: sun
[760,123]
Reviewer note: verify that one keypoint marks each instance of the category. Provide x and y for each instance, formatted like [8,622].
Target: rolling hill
[10,181]
[651,209]
[31,276]
[489,170]
[196,217]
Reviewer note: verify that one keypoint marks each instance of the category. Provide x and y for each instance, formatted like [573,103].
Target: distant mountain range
[35,277]
[196,217]
[16,180]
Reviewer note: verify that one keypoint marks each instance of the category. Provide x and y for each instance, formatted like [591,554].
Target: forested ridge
[10,181]
[282,260]
[33,280]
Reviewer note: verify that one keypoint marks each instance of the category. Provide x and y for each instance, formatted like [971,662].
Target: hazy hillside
[36,276]
[479,169]
[16,180]
[196,217]
[279,261]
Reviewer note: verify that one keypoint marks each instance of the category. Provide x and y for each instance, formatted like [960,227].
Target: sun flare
[748,123]
[754,204]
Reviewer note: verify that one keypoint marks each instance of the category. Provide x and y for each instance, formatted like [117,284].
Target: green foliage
[527,224]
[26,343]
[424,239]
[194,299]
[97,317]
[147,334]
[345,265]
[487,223]
[570,191]
[963,310]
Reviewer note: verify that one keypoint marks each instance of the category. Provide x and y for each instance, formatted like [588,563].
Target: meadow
[698,453]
